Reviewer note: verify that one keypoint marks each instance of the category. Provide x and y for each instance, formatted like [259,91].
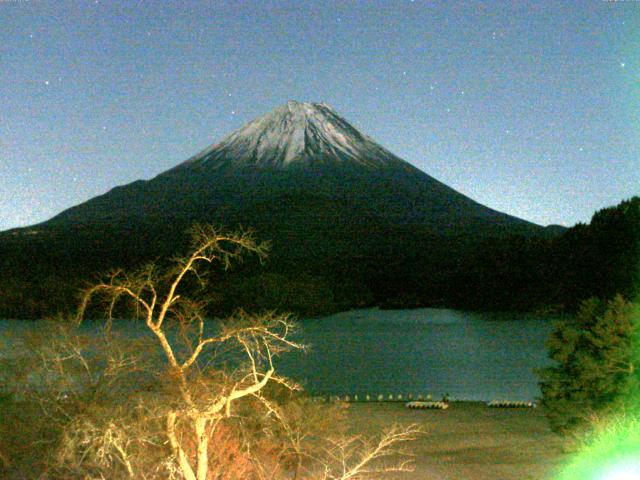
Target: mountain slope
[295,134]
[340,211]
[298,150]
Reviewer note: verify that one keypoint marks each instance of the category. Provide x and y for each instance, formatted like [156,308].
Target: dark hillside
[342,213]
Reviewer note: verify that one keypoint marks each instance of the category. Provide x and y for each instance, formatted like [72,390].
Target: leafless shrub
[194,398]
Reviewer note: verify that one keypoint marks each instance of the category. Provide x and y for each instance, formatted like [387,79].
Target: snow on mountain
[293,134]
[300,154]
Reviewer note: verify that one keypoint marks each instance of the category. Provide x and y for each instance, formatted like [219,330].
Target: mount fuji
[334,204]
[299,154]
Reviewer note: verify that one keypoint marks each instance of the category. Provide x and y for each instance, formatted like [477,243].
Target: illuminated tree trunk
[178,452]
[202,454]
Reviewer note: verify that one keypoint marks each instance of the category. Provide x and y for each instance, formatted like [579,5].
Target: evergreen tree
[596,364]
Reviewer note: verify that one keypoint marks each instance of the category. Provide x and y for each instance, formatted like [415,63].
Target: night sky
[530,108]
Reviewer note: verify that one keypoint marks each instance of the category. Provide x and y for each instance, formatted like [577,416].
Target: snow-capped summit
[303,165]
[341,212]
[293,134]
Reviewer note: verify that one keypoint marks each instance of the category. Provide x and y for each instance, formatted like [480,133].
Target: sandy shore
[469,441]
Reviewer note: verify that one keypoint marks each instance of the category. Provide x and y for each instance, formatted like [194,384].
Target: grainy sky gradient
[530,108]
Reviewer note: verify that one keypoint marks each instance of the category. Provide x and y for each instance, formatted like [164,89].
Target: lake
[470,356]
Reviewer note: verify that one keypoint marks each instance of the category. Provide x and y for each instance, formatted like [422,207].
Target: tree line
[399,267]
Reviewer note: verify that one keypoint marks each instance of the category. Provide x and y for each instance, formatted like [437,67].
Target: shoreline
[468,440]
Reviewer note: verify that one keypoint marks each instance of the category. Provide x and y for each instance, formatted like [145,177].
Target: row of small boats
[491,404]
[421,402]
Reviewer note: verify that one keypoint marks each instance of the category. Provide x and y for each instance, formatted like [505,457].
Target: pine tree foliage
[596,364]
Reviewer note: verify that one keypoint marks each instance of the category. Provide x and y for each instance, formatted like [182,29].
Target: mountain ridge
[303,149]
[358,223]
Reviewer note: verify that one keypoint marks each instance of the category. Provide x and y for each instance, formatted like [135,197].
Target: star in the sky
[46,82]
[622,64]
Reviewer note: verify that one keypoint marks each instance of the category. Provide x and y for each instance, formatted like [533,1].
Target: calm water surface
[470,356]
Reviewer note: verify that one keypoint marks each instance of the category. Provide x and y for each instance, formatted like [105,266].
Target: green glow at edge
[613,452]
[613,455]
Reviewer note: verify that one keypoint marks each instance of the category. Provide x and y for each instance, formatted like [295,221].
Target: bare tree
[203,403]
[357,458]
[194,399]
[323,450]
